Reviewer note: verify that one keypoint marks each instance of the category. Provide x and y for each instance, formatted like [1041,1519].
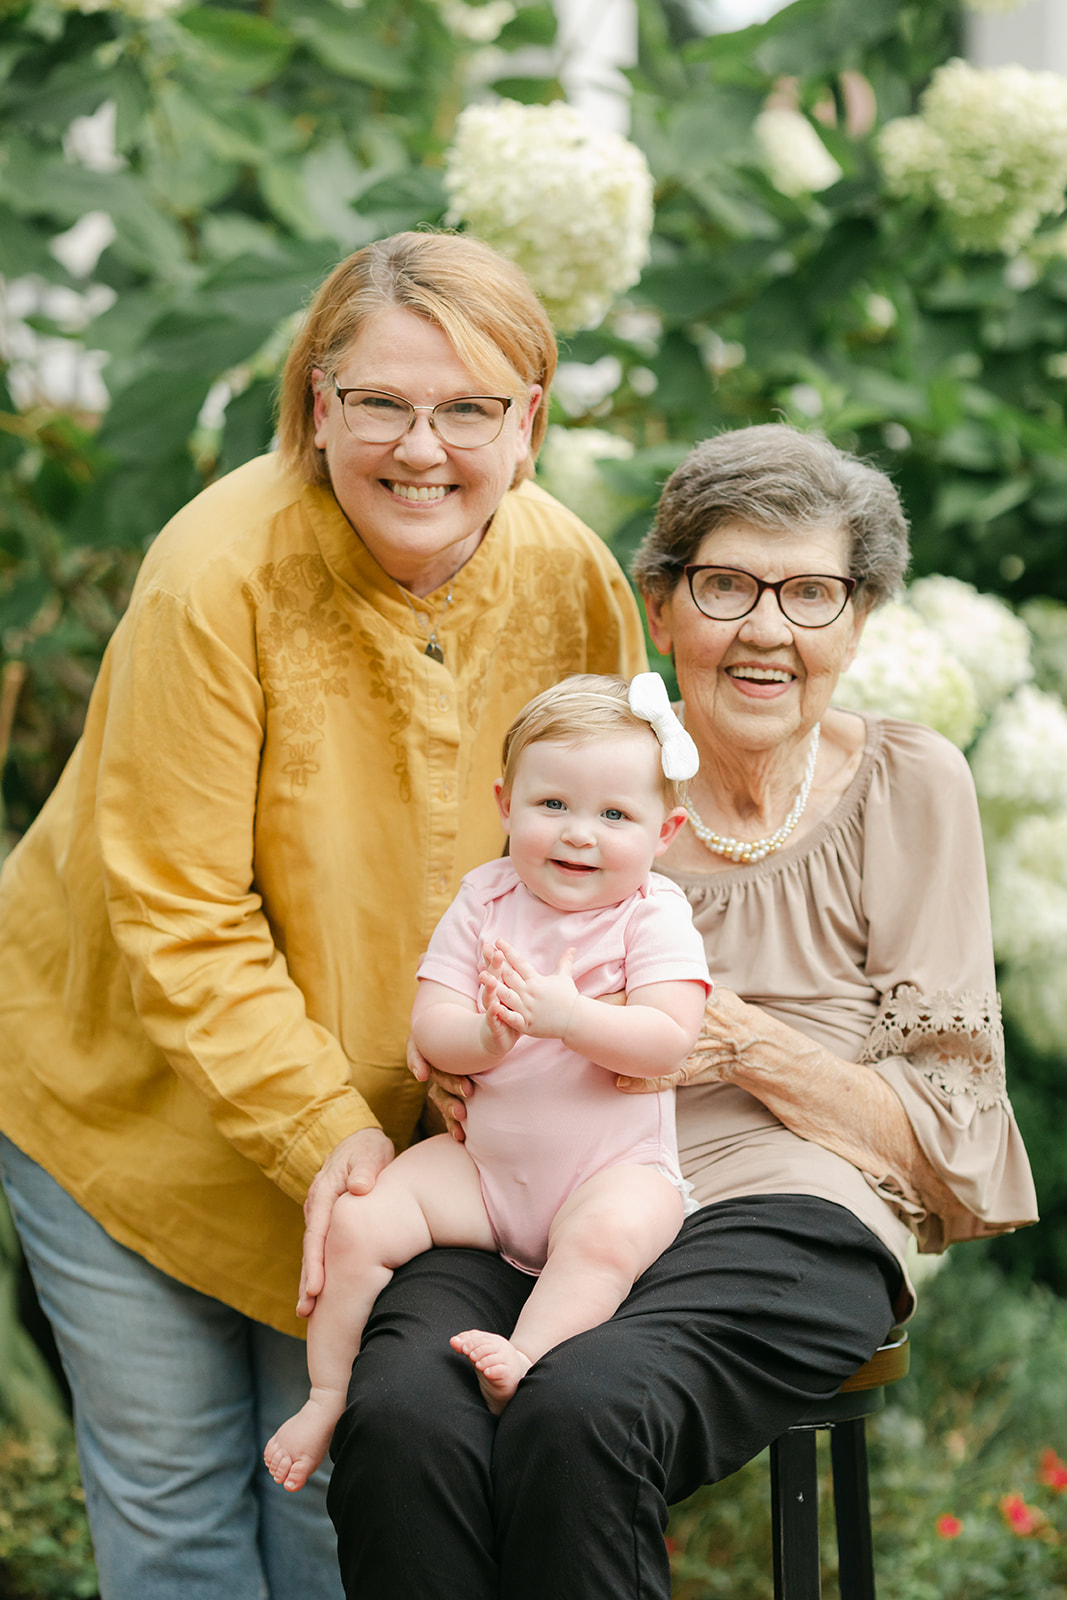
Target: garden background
[847,232]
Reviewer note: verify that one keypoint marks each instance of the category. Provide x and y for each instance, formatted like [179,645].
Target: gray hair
[776,478]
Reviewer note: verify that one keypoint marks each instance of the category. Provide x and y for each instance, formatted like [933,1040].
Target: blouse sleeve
[937,1039]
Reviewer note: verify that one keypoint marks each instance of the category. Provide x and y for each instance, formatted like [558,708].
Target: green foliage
[45,1549]
[29,1399]
[846,310]
[981,1417]
[1036,1085]
[254,146]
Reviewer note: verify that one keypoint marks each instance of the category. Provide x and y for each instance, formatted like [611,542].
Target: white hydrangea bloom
[572,205]
[582,386]
[982,633]
[796,159]
[1028,891]
[481,24]
[989,146]
[903,668]
[1020,762]
[567,468]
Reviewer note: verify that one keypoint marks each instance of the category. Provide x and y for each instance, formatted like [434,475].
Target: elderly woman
[208,940]
[847,1092]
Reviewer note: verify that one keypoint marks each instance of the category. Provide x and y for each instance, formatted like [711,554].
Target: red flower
[1021,1518]
[1052,1471]
[948,1526]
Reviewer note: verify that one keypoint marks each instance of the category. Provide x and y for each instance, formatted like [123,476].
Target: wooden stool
[795,1490]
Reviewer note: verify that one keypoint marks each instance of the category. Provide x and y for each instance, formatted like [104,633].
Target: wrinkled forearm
[846,1108]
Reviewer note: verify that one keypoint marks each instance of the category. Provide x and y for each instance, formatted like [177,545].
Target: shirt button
[443,702]
[421,618]
[446,791]
[442,884]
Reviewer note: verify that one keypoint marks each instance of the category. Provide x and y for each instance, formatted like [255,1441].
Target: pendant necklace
[751,850]
[433,649]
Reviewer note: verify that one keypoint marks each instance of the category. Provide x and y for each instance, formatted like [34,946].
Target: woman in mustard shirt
[286,769]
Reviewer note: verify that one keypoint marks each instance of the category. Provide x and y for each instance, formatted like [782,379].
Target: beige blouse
[871,935]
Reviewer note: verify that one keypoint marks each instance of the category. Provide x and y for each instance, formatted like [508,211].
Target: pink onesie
[546,1119]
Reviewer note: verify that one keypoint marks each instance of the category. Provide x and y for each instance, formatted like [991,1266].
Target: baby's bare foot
[500,1365]
[294,1452]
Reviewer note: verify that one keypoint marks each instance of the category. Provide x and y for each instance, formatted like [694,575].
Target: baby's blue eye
[554,805]
[613,814]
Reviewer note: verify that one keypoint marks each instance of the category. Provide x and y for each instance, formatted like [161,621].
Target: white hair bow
[648,700]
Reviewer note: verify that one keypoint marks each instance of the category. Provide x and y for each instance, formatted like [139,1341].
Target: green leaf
[197,342]
[155,414]
[345,45]
[332,180]
[686,290]
[249,426]
[813,37]
[884,395]
[263,289]
[964,501]
[711,129]
[532,24]
[73,89]
[225,235]
[20,604]
[528,91]
[24,248]
[183,119]
[971,445]
[242,51]
[281,183]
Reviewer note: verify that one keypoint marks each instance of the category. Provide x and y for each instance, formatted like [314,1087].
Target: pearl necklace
[750,850]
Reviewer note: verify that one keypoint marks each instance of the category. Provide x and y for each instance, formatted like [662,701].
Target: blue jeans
[175,1396]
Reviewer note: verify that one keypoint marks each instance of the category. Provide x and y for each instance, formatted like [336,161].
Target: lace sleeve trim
[955,1040]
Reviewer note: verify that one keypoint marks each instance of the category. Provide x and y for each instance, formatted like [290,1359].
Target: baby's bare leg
[429,1195]
[602,1238]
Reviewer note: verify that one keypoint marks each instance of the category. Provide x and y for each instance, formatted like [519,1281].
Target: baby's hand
[537,1003]
[499,1033]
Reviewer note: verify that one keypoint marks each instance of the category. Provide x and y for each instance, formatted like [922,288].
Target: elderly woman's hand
[446,1091]
[731,1032]
[352,1168]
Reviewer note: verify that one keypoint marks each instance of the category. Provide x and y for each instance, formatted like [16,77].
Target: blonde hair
[480,300]
[577,711]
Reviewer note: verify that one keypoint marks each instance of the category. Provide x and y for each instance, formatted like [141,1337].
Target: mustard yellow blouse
[208,939]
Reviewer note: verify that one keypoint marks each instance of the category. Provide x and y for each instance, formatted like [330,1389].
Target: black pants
[759,1308]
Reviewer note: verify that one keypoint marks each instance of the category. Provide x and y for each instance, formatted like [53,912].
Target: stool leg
[795,1516]
[852,1509]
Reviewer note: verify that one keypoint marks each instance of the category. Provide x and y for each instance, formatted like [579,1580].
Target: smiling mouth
[573,866]
[419,493]
[761,674]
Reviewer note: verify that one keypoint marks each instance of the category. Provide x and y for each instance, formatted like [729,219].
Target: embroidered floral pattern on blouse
[304,644]
[552,631]
[955,1040]
[388,681]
